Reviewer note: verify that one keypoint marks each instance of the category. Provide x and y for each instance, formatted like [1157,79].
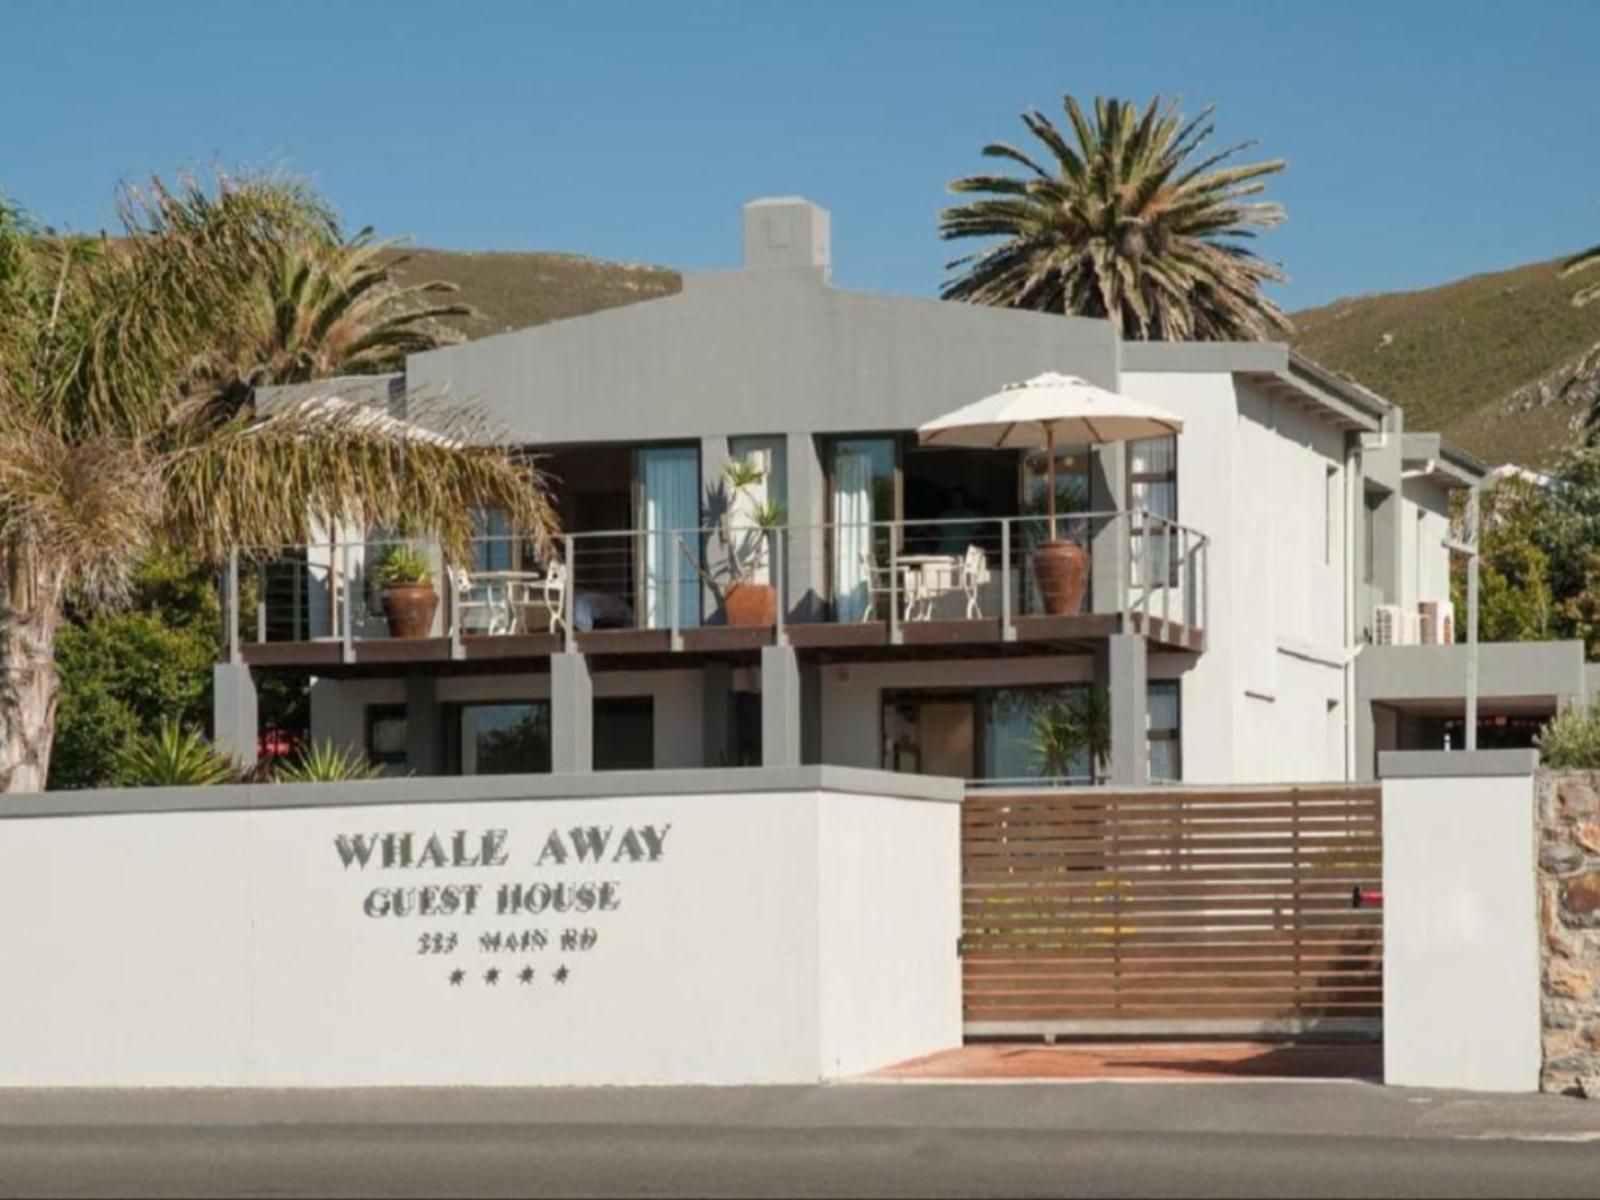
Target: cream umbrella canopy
[1048,408]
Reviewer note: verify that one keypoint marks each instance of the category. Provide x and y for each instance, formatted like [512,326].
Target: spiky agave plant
[1127,219]
[174,756]
[324,762]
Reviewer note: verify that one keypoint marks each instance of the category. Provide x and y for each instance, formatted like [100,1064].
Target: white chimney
[786,231]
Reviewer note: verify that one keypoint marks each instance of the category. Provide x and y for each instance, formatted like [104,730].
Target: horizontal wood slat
[1172,905]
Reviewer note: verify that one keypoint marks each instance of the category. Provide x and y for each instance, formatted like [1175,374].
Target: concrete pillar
[234,712]
[424,749]
[1110,548]
[714,499]
[571,714]
[1127,677]
[806,571]
[716,705]
[780,707]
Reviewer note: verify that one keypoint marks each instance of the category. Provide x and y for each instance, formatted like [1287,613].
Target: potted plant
[745,530]
[1060,565]
[405,582]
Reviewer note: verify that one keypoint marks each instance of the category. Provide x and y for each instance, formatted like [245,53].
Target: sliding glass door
[669,488]
[863,491]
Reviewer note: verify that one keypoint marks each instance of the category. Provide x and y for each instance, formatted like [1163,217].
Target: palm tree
[1130,223]
[123,424]
[1582,262]
[331,306]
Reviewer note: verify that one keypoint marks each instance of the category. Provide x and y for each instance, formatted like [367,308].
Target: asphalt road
[1190,1139]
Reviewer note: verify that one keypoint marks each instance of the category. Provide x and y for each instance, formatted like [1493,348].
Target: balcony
[959,586]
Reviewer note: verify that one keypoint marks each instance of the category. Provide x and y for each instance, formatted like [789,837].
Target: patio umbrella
[1039,411]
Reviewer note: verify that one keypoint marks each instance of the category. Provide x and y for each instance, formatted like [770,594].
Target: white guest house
[761,561]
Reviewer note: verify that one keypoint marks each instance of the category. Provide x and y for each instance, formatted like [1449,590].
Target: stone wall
[1569,920]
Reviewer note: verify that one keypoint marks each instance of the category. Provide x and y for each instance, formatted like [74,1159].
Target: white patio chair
[877,580]
[549,593]
[480,608]
[974,574]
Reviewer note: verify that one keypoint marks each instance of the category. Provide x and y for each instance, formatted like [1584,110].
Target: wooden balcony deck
[653,648]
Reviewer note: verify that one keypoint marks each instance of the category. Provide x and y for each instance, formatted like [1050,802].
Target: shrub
[1571,739]
[323,762]
[174,756]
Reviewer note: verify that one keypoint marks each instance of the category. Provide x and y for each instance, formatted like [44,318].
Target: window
[1164,707]
[1330,508]
[1369,536]
[1153,486]
[387,734]
[864,490]
[990,733]
[501,739]
[492,541]
[624,733]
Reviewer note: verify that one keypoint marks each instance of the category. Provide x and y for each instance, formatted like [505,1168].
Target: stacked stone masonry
[1569,922]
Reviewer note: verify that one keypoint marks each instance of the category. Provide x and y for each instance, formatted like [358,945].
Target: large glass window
[504,739]
[1164,708]
[1153,487]
[669,486]
[862,492]
[624,733]
[387,734]
[492,543]
[1025,733]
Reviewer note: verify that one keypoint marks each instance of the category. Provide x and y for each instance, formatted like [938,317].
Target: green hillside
[1501,363]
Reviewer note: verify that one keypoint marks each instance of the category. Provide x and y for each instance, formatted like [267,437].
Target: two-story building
[1269,594]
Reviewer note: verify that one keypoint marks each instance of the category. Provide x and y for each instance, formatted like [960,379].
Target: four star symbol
[491,977]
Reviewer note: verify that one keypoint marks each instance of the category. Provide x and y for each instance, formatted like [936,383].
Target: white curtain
[852,535]
[671,483]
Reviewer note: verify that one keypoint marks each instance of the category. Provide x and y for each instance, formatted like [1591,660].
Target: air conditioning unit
[1392,625]
[1438,621]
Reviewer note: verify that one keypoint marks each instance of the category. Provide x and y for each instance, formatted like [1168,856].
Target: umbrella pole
[1050,474]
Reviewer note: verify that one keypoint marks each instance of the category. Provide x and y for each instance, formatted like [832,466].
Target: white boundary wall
[1460,921]
[760,927]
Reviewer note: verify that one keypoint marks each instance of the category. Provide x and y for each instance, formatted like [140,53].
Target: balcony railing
[899,574]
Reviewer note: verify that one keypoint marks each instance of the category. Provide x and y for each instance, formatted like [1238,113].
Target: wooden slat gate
[1173,911]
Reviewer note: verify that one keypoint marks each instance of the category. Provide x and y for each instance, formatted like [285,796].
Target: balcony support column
[780,707]
[235,720]
[1111,545]
[423,750]
[571,714]
[1128,693]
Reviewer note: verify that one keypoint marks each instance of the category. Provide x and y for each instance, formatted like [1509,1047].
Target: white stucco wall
[779,936]
[1424,524]
[1460,933]
[1265,480]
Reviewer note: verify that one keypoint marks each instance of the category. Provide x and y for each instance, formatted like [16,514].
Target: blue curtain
[670,478]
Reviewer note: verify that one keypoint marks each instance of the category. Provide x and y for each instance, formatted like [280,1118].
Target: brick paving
[1198,1061]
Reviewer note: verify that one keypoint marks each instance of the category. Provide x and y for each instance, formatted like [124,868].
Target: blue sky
[1425,141]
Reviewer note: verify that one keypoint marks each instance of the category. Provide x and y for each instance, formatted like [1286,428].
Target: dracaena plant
[744,530]
[128,418]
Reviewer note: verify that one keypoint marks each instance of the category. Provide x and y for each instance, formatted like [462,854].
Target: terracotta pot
[752,604]
[410,608]
[1061,569]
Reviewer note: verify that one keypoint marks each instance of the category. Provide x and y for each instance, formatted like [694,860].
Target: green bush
[1571,739]
[323,762]
[174,756]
